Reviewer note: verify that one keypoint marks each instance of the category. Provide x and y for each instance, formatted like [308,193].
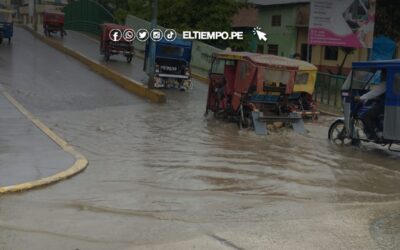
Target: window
[260,48]
[302,78]
[359,79]
[331,53]
[273,49]
[218,66]
[276,20]
[276,77]
[171,51]
[306,50]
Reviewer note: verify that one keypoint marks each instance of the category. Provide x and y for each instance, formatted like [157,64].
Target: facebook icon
[115,35]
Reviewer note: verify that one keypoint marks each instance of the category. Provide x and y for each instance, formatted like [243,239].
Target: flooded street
[166,177]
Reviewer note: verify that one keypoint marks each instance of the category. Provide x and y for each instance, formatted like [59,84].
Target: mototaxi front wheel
[338,134]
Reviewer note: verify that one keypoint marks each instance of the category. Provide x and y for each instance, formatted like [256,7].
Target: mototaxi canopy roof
[6,15]
[53,17]
[177,42]
[306,72]
[270,61]
[395,63]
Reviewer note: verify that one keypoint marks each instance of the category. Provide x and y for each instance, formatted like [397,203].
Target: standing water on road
[162,174]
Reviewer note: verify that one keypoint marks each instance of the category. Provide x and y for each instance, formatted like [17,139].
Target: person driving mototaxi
[377,93]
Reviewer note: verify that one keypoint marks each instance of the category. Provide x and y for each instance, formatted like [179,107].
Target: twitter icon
[142,35]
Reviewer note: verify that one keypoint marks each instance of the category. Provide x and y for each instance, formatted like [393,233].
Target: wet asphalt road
[26,153]
[165,177]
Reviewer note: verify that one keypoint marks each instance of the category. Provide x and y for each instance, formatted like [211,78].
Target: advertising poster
[347,23]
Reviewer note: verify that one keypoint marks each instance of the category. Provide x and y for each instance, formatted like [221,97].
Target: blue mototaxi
[6,25]
[172,63]
[365,76]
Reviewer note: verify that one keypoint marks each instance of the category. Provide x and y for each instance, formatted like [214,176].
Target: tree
[347,51]
[205,15]
[388,19]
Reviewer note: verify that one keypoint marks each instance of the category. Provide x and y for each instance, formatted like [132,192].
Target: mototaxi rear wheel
[107,56]
[129,58]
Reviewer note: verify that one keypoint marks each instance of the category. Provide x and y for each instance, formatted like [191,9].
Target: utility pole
[35,21]
[152,47]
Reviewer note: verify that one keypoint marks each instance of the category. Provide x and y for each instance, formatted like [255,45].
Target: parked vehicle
[302,98]
[365,76]
[109,47]
[6,25]
[53,22]
[172,64]
[252,89]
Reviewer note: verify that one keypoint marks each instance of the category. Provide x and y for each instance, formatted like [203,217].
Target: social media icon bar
[129,35]
[156,35]
[170,35]
[115,35]
[142,35]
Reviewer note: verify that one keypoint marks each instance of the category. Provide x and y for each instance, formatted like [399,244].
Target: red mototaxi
[109,47]
[244,74]
[53,22]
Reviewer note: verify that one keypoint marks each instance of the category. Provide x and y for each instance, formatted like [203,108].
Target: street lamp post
[152,46]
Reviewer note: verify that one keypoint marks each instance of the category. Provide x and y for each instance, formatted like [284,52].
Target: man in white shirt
[377,93]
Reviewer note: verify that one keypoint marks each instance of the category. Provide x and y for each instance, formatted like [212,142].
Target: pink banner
[346,23]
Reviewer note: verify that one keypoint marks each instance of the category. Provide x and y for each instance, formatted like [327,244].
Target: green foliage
[241,45]
[120,15]
[347,51]
[204,15]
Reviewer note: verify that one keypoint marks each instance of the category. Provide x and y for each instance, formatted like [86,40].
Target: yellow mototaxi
[303,90]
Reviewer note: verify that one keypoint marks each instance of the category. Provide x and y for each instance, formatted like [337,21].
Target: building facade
[26,9]
[286,24]
[278,22]
[5,3]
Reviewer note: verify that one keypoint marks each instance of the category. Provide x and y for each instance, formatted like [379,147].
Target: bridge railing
[201,52]
[86,16]
[327,89]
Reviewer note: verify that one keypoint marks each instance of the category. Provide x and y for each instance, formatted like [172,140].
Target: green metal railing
[327,89]
[86,16]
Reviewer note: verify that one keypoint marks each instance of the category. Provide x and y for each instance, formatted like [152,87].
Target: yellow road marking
[80,161]
[125,82]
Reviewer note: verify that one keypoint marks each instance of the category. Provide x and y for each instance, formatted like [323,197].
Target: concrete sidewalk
[26,152]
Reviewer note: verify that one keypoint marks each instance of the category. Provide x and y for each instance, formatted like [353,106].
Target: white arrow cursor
[261,35]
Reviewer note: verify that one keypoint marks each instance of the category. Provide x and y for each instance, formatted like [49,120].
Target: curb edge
[80,164]
[123,81]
